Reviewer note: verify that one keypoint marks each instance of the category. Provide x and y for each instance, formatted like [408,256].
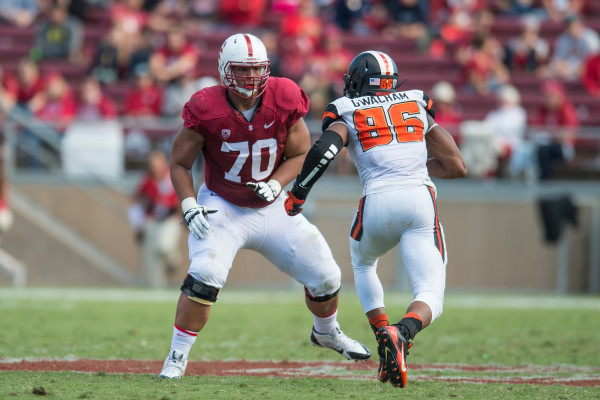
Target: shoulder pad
[208,101]
[203,101]
[204,105]
[287,94]
[429,105]
[329,115]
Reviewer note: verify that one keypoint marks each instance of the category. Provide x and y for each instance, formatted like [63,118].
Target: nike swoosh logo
[269,125]
[181,335]
[403,366]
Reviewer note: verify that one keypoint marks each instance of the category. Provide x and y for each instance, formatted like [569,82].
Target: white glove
[194,216]
[267,191]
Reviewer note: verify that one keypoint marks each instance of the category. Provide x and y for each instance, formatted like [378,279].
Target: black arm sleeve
[316,162]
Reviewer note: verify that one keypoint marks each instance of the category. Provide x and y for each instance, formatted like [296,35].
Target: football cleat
[382,374]
[174,366]
[338,341]
[395,347]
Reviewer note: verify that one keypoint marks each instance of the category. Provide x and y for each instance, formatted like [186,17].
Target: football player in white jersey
[396,146]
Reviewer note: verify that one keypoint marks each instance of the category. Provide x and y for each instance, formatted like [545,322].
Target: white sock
[325,324]
[183,340]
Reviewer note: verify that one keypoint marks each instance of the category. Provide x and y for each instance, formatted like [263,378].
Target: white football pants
[293,244]
[407,216]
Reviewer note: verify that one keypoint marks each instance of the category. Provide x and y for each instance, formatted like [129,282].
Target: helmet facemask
[247,86]
[244,50]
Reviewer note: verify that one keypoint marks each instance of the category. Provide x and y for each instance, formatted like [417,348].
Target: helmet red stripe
[249,43]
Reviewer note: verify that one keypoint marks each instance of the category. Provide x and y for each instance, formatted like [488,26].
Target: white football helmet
[244,49]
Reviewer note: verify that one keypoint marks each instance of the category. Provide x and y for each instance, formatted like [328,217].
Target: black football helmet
[371,73]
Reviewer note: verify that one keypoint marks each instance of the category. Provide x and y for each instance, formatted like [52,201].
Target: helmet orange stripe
[386,62]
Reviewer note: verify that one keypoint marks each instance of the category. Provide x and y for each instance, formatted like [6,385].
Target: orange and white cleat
[392,365]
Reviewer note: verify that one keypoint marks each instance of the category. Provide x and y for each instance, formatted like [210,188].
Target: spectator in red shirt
[175,59]
[333,53]
[243,12]
[129,19]
[556,123]
[29,80]
[557,111]
[528,51]
[375,21]
[591,74]
[145,99]
[6,216]
[154,218]
[9,90]
[447,112]
[458,20]
[483,68]
[93,103]
[30,84]
[304,23]
[56,103]
[301,32]
[327,65]
[128,16]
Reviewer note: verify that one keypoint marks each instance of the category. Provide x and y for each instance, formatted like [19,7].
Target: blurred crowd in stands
[144,58]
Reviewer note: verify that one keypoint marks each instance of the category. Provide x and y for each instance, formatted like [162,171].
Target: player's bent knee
[321,298]
[434,301]
[198,291]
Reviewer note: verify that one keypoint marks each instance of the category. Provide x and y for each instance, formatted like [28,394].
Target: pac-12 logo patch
[225,133]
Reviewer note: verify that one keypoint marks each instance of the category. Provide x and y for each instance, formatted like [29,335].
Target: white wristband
[187,203]
[431,127]
[274,183]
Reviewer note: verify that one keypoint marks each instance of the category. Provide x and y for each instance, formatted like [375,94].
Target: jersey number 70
[375,128]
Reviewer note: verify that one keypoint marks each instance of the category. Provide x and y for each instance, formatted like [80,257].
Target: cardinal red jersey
[237,151]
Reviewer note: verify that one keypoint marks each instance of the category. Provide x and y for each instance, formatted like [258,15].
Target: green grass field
[493,330]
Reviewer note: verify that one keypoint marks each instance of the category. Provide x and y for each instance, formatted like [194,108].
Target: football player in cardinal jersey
[389,136]
[252,135]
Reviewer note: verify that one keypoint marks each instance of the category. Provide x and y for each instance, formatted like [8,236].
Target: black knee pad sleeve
[198,291]
[320,299]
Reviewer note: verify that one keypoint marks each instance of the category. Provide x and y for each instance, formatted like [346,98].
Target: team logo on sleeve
[225,133]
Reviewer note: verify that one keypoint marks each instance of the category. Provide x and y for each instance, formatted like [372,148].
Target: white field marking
[293,295]
[312,370]
[322,367]
[13,360]
[344,370]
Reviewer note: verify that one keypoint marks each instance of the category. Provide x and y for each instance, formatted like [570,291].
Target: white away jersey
[386,136]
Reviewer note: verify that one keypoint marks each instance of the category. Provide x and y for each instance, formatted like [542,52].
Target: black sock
[409,327]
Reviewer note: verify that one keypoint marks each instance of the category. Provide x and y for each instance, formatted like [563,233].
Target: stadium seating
[422,69]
